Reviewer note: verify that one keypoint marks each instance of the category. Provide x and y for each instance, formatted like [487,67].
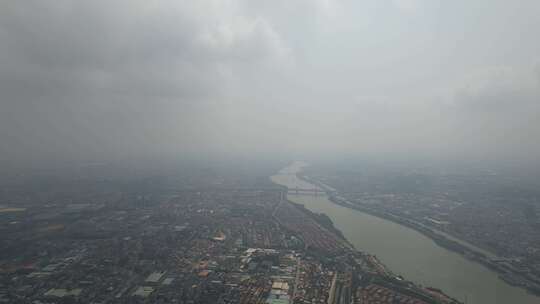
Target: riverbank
[377,272]
[323,220]
[504,270]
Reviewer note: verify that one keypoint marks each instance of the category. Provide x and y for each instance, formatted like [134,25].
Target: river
[408,252]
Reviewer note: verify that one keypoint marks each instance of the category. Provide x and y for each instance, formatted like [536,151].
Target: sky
[136,79]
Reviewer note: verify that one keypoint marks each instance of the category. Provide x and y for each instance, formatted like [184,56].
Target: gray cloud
[88,77]
[537,69]
[138,79]
[497,113]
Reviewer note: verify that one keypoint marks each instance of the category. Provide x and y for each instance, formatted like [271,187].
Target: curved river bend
[408,252]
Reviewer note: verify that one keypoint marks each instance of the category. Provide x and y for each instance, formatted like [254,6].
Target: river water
[408,252]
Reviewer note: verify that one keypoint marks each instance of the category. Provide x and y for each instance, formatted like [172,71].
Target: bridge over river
[306,191]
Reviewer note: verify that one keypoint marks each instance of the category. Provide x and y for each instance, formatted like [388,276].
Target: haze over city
[270,152]
[113,80]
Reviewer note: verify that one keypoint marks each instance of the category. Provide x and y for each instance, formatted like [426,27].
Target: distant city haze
[100,81]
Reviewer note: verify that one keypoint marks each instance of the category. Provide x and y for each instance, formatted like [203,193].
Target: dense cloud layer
[109,80]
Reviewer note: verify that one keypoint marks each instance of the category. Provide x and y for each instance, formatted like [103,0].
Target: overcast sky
[101,80]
